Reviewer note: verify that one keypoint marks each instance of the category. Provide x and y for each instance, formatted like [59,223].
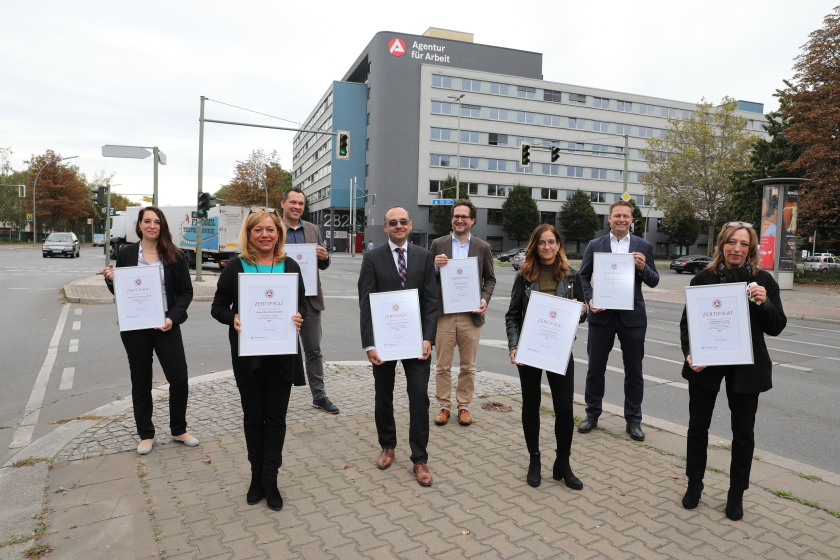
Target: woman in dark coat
[545,270]
[156,248]
[736,260]
[264,382]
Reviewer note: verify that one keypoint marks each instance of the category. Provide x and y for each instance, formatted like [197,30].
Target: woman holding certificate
[156,248]
[264,381]
[736,260]
[545,270]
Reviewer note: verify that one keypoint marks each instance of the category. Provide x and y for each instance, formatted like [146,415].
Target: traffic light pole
[353,198]
[108,227]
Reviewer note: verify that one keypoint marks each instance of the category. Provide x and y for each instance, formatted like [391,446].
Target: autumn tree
[61,195]
[441,215]
[520,215]
[692,164]
[578,219]
[13,207]
[813,109]
[261,172]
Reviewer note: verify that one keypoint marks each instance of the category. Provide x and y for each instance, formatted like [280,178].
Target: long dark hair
[168,253]
[531,269]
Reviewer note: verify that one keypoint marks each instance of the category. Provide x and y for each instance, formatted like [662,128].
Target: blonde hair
[247,252]
[723,238]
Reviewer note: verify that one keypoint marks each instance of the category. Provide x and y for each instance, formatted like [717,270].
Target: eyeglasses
[549,243]
[255,209]
[464,218]
[403,222]
[739,224]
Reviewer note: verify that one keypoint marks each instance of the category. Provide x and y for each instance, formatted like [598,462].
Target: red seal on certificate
[552,314]
[395,307]
[138,281]
[613,266]
[269,293]
[717,303]
[300,257]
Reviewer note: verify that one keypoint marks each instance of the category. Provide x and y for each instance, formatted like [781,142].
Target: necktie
[401,264]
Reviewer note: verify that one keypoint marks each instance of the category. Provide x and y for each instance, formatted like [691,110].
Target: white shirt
[397,255]
[156,262]
[620,245]
[461,251]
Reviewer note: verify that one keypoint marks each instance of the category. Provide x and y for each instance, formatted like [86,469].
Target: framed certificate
[397,332]
[613,280]
[548,332]
[138,293]
[267,302]
[459,285]
[719,324]
[306,255]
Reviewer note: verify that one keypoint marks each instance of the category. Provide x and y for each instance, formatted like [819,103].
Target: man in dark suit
[629,325]
[399,265]
[460,329]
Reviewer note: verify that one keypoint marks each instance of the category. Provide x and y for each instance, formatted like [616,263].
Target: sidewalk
[101,500]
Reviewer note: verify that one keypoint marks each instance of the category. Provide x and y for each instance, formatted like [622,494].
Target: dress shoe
[325,405]
[145,449]
[534,477]
[255,491]
[635,431]
[442,418]
[424,476]
[563,471]
[735,504]
[273,499]
[464,417]
[692,495]
[589,424]
[385,458]
[189,442]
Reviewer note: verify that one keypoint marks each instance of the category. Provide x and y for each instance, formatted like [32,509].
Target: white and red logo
[460,271]
[613,266]
[717,303]
[138,281]
[396,47]
[395,307]
[269,294]
[300,257]
[552,314]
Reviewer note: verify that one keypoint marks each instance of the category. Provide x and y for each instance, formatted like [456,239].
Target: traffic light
[205,203]
[555,154]
[22,191]
[524,154]
[343,145]
[99,195]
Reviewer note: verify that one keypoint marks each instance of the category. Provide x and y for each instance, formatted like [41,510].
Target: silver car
[64,244]
[822,264]
[518,259]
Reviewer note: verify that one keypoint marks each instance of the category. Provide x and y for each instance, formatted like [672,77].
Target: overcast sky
[78,75]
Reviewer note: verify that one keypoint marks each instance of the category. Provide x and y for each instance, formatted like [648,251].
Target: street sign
[625,197]
[339,235]
[90,221]
[162,158]
[125,152]
[148,199]
[442,201]
[810,239]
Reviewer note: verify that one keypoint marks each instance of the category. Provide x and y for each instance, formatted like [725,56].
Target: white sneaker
[145,449]
[192,442]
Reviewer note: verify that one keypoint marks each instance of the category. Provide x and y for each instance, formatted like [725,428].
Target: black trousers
[599,345]
[742,407]
[417,387]
[562,396]
[169,348]
[265,400]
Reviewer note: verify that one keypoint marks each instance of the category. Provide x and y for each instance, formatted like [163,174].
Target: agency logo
[552,314]
[300,257]
[717,303]
[395,307]
[269,294]
[460,271]
[138,281]
[613,266]
[396,47]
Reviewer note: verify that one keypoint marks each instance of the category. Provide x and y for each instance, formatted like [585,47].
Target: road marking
[77,325]
[809,343]
[74,345]
[816,329]
[67,379]
[23,435]
[78,311]
[790,352]
[19,288]
[791,366]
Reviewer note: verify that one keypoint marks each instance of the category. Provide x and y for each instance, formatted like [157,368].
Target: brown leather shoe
[424,476]
[464,417]
[442,418]
[385,458]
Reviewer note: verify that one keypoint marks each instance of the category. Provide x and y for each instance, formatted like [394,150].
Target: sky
[79,75]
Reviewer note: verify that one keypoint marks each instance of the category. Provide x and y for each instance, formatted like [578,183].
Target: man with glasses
[629,325]
[300,231]
[460,329]
[399,265]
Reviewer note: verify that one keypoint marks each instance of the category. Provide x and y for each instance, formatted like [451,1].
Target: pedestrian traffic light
[555,154]
[524,154]
[98,195]
[343,144]
[205,203]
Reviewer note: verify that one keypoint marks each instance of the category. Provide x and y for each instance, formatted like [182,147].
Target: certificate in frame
[138,293]
[719,324]
[613,280]
[267,302]
[306,255]
[397,330]
[459,285]
[548,332]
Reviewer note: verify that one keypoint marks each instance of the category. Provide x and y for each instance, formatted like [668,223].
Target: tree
[639,222]
[13,208]
[682,226]
[520,215]
[694,161]
[252,177]
[62,194]
[578,219]
[813,109]
[441,216]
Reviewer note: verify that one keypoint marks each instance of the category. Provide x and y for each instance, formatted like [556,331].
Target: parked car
[505,257]
[690,263]
[518,259]
[823,264]
[65,244]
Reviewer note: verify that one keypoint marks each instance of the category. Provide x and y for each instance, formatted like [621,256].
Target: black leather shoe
[692,495]
[534,477]
[589,424]
[325,405]
[563,471]
[635,431]
[273,499]
[255,491]
[735,504]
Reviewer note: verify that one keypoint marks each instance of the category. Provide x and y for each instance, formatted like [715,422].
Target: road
[796,419]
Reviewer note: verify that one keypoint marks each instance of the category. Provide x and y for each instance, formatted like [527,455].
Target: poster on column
[138,293]
[719,324]
[769,219]
[787,235]
[397,332]
[548,332]
[267,302]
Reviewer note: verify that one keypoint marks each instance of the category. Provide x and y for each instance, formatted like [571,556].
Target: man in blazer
[400,265]
[460,329]
[629,325]
[300,231]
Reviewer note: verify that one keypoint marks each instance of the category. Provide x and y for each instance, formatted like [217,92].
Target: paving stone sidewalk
[181,502]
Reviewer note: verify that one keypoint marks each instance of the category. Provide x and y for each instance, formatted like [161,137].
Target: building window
[601,102]
[441,134]
[498,89]
[548,194]
[645,109]
[472,188]
[597,197]
[434,186]
[439,107]
[494,216]
[442,81]
[368,119]
[367,168]
[574,146]
[576,123]
[496,190]
[440,161]
[577,99]
[641,200]
[367,144]
[523,169]
[497,243]
[599,173]
[599,126]
[645,132]
[470,111]
[524,117]
[622,129]
[497,165]
[618,175]
[498,139]
[526,92]
[550,169]
[551,95]
[625,106]
[548,218]
[574,171]
[469,162]
[499,114]
[468,137]
[470,85]
[551,120]
[667,112]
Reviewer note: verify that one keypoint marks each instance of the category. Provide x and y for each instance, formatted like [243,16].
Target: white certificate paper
[306,255]
[267,302]
[459,284]
[613,280]
[719,324]
[548,332]
[397,331]
[138,293]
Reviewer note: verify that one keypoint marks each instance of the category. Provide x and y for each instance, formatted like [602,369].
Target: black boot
[563,471]
[255,491]
[692,494]
[735,504]
[272,494]
[534,477]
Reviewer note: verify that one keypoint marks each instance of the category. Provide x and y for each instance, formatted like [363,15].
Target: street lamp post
[457,99]
[34,192]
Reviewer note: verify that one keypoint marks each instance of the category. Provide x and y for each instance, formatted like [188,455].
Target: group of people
[265,382]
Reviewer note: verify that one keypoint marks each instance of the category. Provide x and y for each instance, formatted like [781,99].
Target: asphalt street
[62,360]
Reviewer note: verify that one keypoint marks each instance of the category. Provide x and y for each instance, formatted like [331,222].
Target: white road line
[809,343]
[77,325]
[663,342]
[19,288]
[790,352]
[67,379]
[791,366]
[78,311]
[23,435]
[74,345]
[816,329]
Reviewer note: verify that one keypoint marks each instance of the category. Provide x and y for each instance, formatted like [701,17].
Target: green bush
[660,257]
[816,277]
[574,256]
